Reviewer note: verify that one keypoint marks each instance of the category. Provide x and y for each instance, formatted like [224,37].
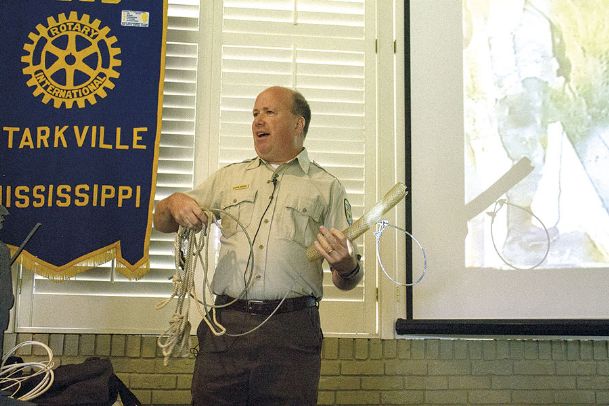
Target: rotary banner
[80,118]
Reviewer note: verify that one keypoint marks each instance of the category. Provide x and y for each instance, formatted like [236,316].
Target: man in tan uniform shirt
[286,203]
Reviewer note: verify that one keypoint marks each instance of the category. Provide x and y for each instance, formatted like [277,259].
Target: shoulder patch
[348,214]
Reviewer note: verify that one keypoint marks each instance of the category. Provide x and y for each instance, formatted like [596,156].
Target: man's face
[277,131]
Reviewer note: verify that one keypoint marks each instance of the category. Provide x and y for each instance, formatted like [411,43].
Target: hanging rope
[175,341]
[188,248]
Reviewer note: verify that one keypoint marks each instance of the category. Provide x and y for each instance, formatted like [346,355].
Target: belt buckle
[254,306]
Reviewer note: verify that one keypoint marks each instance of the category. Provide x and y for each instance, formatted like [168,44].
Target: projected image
[536,100]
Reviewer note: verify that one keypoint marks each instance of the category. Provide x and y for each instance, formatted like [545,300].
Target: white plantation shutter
[325,49]
[104,300]
[176,155]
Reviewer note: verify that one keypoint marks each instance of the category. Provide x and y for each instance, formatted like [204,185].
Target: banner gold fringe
[92,261]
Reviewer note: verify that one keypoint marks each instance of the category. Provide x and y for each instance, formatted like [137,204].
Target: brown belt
[266,307]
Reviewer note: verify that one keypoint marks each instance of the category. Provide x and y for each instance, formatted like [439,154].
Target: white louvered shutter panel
[103,300]
[325,49]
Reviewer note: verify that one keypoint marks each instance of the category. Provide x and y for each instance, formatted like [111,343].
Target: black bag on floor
[92,383]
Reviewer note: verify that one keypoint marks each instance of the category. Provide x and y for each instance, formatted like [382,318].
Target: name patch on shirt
[240,187]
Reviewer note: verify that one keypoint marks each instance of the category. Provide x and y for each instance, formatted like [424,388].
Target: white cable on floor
[12,376]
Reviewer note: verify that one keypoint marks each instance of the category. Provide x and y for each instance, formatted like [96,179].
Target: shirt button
[266,220]
[234,200]
[258,276]
[304,210]
[261,246]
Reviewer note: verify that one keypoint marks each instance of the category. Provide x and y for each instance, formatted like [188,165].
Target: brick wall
[373,371]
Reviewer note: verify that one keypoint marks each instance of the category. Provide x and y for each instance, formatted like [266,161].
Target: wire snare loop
[380,228]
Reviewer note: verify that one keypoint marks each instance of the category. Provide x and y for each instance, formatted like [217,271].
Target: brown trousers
[278,364]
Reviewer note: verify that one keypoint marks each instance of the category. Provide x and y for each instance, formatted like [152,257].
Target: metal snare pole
[22,246]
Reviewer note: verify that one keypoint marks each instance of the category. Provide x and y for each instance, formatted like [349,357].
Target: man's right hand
[177,210]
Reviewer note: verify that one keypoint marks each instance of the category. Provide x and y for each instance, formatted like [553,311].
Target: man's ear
[300,123]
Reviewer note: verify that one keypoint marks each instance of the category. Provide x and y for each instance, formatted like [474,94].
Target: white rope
[381,225]
[175,341]
[263,321]
[14,375]
[204,308]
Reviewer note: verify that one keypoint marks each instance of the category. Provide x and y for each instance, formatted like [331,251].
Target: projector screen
[509,104]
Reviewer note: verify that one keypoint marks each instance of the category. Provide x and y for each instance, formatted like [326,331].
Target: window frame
[388,140]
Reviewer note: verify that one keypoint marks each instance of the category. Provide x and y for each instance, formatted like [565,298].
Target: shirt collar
[302,159]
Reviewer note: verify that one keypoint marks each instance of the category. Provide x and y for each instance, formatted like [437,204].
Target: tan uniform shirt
[282,219]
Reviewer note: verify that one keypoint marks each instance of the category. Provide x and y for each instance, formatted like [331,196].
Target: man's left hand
[336,248]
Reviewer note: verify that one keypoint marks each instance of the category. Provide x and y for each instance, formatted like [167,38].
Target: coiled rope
[12,376]
[188,248]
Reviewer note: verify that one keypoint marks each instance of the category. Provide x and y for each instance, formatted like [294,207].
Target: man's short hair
[300,107]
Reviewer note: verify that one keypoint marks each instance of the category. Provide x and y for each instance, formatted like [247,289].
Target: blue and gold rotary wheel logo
[71,60]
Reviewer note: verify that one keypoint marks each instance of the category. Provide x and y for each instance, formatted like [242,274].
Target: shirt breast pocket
[303,216]
[238,209]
